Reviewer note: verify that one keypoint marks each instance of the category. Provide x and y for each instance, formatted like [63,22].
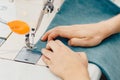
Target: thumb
[78,42]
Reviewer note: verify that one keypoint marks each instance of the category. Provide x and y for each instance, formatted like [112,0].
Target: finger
[53,46]
[61,44]
[46,60]
[79,42]
[84,58]
[59,32]
[53,35]
[83,55]
[47,53]
[45,36]
[62,32]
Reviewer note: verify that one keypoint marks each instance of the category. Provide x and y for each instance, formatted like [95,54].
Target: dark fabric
[107,54]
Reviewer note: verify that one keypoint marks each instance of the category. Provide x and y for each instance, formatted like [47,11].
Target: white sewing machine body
[12,43]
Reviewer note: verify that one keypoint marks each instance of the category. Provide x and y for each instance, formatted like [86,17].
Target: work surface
[11,70]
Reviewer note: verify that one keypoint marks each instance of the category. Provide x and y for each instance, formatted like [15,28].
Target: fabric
[107,54]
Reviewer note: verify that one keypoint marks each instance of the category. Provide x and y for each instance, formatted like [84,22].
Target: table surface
[26,11]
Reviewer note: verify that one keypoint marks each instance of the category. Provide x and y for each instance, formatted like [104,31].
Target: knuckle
[50,42]
[57,28]
[83,53]
[57,40]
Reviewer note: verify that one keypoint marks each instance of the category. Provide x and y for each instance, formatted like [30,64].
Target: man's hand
[65,63]
[80,35]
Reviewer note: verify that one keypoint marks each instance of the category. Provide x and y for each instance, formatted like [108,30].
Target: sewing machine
[15,62]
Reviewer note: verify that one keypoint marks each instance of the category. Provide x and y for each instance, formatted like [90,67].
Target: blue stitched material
[107,54]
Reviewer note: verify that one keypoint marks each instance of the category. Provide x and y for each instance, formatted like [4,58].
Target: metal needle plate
[28,56]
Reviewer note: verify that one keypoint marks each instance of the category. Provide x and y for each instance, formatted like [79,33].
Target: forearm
[113,24]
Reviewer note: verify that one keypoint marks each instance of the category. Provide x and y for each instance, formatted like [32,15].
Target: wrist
[107,29]
[111,27]
[113,24]
[77,75]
